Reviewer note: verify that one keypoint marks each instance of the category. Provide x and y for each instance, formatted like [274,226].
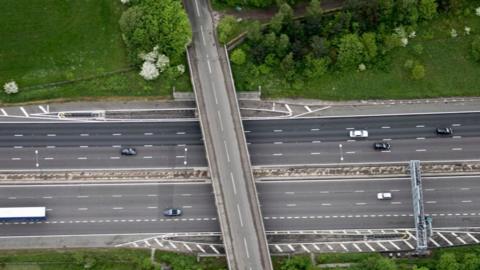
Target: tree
[287,66]
[370,43]
[297,263]
[427,9]
[475,48]
[418,71]
[350,51]
[315,67]
[151,23]
[447,261]
[238,57]
[314,8]
[319,46]
[283,45]
[377,263]
[10,87]
[226,28]
[149,71]
[254,32]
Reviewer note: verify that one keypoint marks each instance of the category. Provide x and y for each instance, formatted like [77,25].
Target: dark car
[172,212]
[128,151]
[381,146]
[444,131]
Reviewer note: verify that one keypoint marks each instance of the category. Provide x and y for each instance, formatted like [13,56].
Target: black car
[381,146]
[128,151]
[444,131]
[172,212]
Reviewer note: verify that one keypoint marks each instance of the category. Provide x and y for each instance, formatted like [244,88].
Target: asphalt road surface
[271,142]
[301,205]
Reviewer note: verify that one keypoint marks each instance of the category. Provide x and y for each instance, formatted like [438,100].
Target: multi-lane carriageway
[271,142]
[290,205]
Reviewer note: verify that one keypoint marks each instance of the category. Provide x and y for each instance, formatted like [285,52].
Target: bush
[418,71]
[226,28]
[351,51]
[418,49]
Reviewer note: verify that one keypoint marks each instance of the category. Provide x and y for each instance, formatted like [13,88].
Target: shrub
[418,49]
[418,71]
[10,88]
[409,64]
[226,28]
[351,51]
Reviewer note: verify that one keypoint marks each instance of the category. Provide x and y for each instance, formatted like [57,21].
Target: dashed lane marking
[421,138]
[147,157]
[49,158]
[385,127]
[148,133]
[420,126]
[18,135]
[456,137]
[83,146]
[18,146]
[316,141]
[315,153]
[421,150]
[84,135]
[277,154]
[82,158]
[314,129]
[51,135]
[16,158]
[181,133]
[4,112]
[456,125]
[457,149]
[277,130]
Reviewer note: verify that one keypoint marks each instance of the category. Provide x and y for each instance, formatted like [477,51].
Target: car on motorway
[381,146]
[172,212]
[358,134]
[444,131]
[128,151]
[384,196]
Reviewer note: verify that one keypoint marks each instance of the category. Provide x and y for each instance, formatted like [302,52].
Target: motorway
[271,142]
[293,205]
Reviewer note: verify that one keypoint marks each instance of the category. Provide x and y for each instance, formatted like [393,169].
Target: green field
[450,71]
[50,41]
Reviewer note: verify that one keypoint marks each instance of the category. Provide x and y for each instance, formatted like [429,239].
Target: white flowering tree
[181,69]
[125,1]
[149,71]
[362,67]
[162,62]
[453,33]
[10,87]
[477,11]
[467,30]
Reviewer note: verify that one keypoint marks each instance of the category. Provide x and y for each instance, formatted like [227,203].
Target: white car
[358,134]
[384,196]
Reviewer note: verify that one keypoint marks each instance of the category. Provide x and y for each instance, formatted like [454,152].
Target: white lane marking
[186,195]
[396,202]
[465,188]
[51,146]
[18,135]
[350,152]
[456,137]
[288,108]
[358,248]
[431,202]
[19,146]
[369,247]
[456,125]
[387,139]
[420,126]
[359,191]
[116,146]
[226,150]
[117,196]
[117,134]
[277,154]
[197,9]
[421,150]
[457,149]
[51,135]
[220,120]
[315,153]
[393,244]
[307,108]
[466,201]
[429,189]
[114,157]
[277,130]
[326,204]
[240,215]
[84,134]
[214,94]
[349,128]
[385,127]
[152,195]
[247,131]
[147,157]
[24,112]
[82,209]
[117,208]
[82,196]
[421,138]
[351,140]
[246,247]
[382,246]
[152,207]
[42,109]
[181,133]
[209,67]
[12,198]
[148,145]
[289,192]
[360,203]
[82,158]
[316,141]
[471,236]
[148,133]
[49,158]
[314,129]
[291,204]
[204,43]
[4,112]
[444,238]
[277,142]
[47,197]
[233,183]
[179,156]
[83,146]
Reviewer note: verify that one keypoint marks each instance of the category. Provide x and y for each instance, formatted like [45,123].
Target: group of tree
[357,37]
[152,25]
